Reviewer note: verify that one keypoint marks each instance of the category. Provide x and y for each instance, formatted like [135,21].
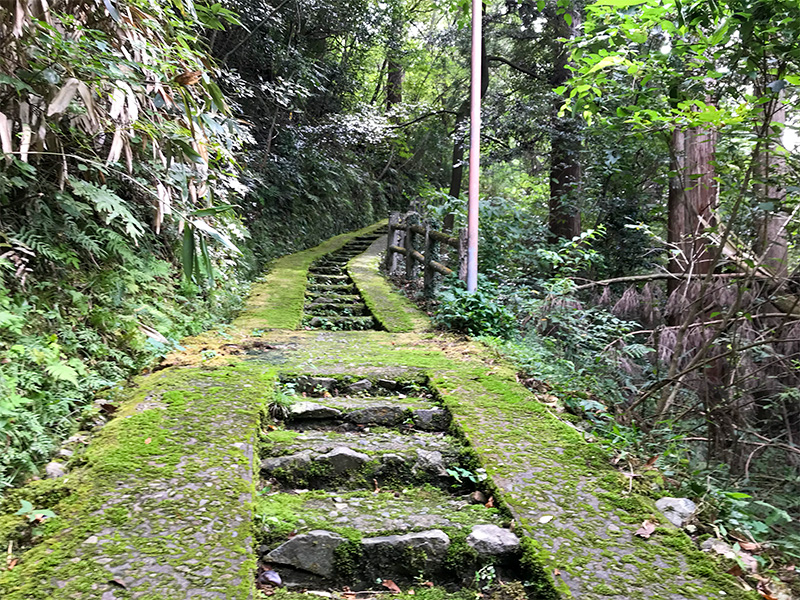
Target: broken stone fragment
[387,384]
[431,419]
[360,386]
[316,322]
[429,462]
[343,459]
[311,384]
[293,461]
[54,470]
[386,416]
[677,510]
[313,552]
[491,540]
[312,410]
[477,497]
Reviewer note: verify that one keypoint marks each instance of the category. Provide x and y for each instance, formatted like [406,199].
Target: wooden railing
[408,235]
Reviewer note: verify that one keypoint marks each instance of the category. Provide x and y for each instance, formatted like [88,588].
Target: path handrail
[403,255]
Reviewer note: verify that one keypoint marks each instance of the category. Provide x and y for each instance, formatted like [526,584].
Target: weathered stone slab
[313,552]
[491,540]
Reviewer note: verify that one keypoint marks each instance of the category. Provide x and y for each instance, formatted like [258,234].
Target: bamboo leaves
[64,96]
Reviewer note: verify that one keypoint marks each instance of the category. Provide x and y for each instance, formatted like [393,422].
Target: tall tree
[565,138]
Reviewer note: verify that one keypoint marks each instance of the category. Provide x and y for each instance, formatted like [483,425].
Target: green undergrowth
[61,343]
[278,301]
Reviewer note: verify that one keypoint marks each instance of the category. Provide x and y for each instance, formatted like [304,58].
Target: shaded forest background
[638,206]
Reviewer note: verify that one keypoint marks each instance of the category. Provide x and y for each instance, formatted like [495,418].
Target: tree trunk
[565,141]
[394,83]
[459,133]
[771,244]
[701,195]
[676,210]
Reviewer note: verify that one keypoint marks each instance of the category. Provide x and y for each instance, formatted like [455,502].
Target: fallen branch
[657,276]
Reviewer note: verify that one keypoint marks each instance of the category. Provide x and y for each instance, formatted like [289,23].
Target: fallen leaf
[750,546]
[148,440]
[410,592]
[646,530]
[650,463]
[490,503]
[428,584]
[188,77]
[270,576]
[118,583]
[556,573]
[545,519]
[12,563]
[391,586]
[736,571]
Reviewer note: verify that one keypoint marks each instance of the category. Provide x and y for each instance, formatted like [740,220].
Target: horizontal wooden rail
[436,235]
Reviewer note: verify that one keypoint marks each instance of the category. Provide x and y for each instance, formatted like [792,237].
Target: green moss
[167,423]
[281,436]
[605,590]
[347,558]
[394,312]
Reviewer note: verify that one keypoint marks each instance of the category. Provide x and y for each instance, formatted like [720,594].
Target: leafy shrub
[474,313]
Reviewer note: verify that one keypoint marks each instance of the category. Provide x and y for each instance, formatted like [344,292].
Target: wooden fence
[408,235]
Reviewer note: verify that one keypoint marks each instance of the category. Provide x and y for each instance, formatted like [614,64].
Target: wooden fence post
[431,254]
[449,222]
[411,219]
[462,254]
[392,260]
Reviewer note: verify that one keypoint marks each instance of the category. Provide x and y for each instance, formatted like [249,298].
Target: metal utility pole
[474,147]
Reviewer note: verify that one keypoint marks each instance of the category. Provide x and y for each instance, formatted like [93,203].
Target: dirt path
[399,455]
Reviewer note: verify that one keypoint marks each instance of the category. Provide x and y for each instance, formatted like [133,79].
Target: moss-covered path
[160,503]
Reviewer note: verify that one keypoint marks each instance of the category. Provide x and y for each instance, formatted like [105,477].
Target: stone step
[356,460]
[356,411]
[306,537]
[334,308]
[330,278]
[402,510]
[339,323]
[325,270]
[330,288]
[350,386]
[312,299]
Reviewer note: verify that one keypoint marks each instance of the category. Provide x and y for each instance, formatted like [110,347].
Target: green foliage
[34,514]
[473,313]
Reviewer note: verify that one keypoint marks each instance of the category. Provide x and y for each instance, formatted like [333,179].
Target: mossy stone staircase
[195,490]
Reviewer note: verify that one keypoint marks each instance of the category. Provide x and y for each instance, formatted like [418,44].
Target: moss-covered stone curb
[389,307]
[162,508]
[277,302]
